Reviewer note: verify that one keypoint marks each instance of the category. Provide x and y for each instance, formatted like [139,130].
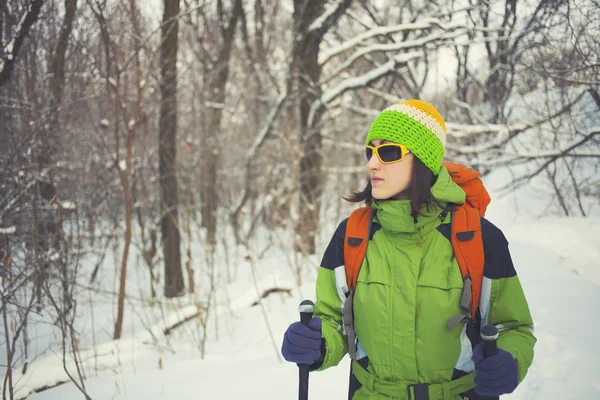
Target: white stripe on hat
[424,118]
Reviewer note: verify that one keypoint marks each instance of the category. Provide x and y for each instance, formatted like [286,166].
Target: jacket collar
[395,215]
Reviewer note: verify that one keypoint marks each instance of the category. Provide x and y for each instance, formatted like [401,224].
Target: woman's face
[390,181]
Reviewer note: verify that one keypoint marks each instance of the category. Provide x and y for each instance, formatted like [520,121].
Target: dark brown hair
[419,192]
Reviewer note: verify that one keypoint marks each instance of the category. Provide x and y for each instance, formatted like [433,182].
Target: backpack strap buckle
[465,304]
[348,320]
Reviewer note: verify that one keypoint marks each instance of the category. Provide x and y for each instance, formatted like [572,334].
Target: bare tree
[170,228]
[80,122]
[216,78]
[131,123]
[548,60]
[311,23]
[49,142]
[506,39]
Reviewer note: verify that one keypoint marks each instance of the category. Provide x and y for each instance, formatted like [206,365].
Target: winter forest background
[170,173]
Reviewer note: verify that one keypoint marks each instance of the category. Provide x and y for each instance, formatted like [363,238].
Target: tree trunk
[306,73]
[310,140]
[216,94]
[49,228]
[497,85]
[128,232]
[174,284]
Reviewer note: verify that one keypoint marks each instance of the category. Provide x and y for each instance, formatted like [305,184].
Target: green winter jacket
[408,287]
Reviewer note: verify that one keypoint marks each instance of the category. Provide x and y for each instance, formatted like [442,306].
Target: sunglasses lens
[369,153]
[390,153]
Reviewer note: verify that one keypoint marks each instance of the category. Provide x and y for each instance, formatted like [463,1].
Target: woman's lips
[376,180]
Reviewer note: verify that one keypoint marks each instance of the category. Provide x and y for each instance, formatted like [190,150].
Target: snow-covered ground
[557,258]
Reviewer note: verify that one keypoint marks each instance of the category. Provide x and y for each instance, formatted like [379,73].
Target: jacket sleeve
[330,290]
[503,301]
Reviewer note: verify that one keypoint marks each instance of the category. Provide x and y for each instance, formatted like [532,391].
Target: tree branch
[10,51]
[566,152]
[329,17]
[360,81]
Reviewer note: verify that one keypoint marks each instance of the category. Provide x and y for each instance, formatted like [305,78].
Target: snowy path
[557,261]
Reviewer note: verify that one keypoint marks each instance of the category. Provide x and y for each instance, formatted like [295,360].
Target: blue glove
[302,344]
[495,375]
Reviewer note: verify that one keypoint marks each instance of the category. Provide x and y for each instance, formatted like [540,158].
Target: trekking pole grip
[489,335]
[306,309]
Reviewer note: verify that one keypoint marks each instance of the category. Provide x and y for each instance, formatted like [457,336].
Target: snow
[228,353]
[556,258]
[329,12]
[8,230]
[68,205]
[212,104]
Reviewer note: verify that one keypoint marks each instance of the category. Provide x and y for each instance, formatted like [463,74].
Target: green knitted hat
[418,126]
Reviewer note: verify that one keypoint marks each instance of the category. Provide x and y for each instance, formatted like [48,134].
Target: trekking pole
[489,335]
[306,309]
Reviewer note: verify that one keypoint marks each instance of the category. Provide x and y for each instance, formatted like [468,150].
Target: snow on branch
[8,230]
[258,142]
[68,205]
[503,133]
[465,131]
[406,44]
[557,155]
[250,155]
[330,15]
[360,81]
[11,49]
[425,23]
[13,199]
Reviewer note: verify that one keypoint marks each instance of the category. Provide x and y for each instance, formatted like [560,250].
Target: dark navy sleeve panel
[334,254]
[498,262]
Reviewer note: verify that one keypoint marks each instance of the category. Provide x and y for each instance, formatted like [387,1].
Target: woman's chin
[383,195]
[377,195]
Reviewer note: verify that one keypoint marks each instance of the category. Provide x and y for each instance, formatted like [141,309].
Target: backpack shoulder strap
[467,242]
[356,240]
[355,243]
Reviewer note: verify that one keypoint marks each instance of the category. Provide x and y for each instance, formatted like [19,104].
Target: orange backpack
[466,241]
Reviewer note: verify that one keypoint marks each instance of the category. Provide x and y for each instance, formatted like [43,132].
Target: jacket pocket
[371,313]
[438,296]
[438,300]
[442,278]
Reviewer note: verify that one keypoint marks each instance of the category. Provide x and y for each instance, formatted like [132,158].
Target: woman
[410,284]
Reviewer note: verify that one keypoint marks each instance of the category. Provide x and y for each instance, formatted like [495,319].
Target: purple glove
[495,375]
[302,344]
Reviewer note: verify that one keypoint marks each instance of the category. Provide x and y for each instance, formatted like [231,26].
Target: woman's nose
[373,163]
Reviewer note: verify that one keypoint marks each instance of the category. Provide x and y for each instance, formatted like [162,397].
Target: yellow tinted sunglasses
[388,153]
